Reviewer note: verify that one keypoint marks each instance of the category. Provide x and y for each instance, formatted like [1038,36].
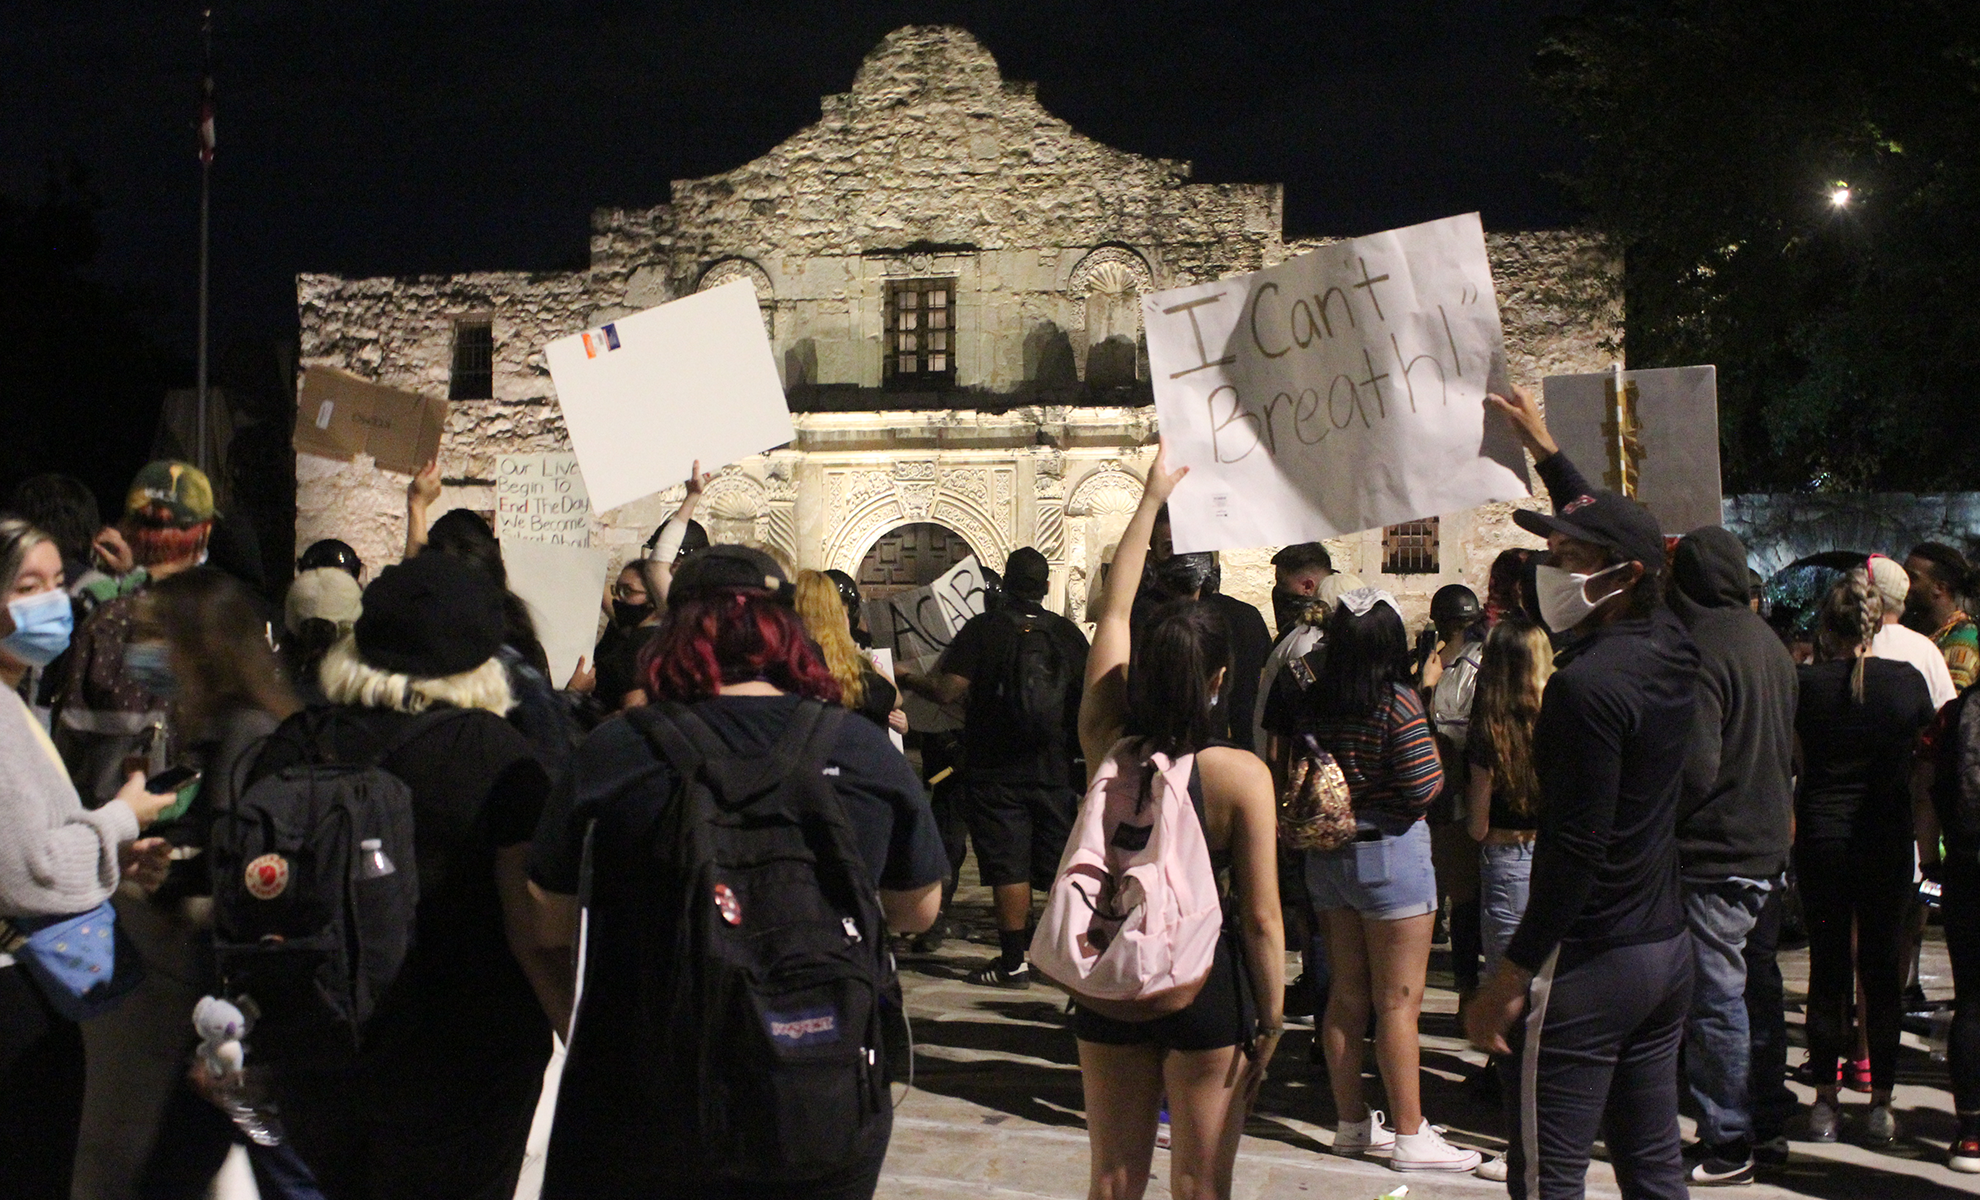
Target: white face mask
[1563,596]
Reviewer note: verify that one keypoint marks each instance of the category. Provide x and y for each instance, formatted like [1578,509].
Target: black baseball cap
[728,568]
[1607,519]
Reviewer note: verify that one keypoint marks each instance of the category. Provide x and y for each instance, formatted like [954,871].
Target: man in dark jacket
[1600,967]
[1734,828]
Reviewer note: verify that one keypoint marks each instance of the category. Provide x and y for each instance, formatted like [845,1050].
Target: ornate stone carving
[1112,272]
[723,270]
[863,503]
[1108,491]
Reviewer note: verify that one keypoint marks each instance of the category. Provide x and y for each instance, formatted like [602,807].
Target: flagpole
[205,238]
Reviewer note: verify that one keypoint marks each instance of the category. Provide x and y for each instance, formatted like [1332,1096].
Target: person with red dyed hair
[733,657]
[112,705]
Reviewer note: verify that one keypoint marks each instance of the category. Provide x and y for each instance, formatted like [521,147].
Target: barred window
[1410,548]
[473,376]
[921,332]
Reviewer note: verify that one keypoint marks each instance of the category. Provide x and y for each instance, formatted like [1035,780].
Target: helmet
[331,553]
[848,589]
[1455,604]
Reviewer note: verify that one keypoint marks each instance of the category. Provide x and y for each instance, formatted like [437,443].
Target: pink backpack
[1131,925]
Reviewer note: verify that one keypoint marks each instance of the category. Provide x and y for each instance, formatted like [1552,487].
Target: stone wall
[1778,529]
[931,166]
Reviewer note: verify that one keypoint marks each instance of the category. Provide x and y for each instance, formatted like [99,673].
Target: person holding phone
[56,859]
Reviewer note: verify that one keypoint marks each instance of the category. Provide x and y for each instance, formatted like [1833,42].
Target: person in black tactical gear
[1022,669]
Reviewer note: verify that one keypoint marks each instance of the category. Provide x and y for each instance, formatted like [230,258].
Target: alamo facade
[951,277]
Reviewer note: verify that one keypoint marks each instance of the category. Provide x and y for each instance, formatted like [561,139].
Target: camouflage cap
[178,487]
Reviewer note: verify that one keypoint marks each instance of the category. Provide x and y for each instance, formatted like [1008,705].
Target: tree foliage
[1845,335]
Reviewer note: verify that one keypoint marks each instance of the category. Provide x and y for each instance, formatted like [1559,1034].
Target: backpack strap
[421,725]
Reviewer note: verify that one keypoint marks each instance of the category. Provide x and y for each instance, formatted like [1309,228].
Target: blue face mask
[149,666]
[42,625]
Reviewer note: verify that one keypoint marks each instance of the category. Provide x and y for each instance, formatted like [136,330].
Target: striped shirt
[1389,758]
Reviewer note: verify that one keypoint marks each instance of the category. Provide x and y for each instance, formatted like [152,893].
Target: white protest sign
[646,395]
[541,498]
[883,662]
[1339,391]
[562,585]
[1667,438]
[918,623]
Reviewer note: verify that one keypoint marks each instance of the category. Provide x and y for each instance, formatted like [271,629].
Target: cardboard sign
[1339,391]
[919,623]
[541,498]
[562,586]
[340,416]
[646,395]
[1662,447]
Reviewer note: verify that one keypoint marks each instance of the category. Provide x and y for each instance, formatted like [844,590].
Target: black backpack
[765,1023]
[1037,682]
[311,922]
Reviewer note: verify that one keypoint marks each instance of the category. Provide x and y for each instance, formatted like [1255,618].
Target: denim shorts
[1387,878]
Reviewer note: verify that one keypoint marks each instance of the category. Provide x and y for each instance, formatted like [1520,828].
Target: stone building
[951,279]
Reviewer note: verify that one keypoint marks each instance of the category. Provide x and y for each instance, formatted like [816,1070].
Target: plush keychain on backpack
[220,1026]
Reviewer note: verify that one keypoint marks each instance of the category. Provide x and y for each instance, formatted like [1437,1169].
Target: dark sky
[370,137]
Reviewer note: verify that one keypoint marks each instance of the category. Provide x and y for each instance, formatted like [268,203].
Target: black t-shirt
[1856,758]
[994,744]
[617,662]
[477,787]
[880,698]
[1480,752]
[1251,642]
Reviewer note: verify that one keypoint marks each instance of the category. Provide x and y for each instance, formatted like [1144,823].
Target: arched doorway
[908,557]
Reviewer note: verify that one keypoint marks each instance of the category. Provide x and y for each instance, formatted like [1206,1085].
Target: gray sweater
[56,858]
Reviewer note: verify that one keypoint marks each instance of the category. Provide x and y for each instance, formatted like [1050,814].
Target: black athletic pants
[1872,883]
[41,1092]
[1596,1056]
[1961,910]
[1766,1023]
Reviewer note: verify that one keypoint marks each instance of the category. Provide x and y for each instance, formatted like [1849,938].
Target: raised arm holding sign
[1335,392]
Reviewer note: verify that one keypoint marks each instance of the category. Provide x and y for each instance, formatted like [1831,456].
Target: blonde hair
[824,617]
[348,679]
[1850,616]
[1512,674]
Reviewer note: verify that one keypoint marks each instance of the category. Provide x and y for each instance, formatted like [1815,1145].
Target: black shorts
[1220,1016]
[1020,829]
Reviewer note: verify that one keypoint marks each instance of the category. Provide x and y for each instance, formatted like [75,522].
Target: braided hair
[1850,616]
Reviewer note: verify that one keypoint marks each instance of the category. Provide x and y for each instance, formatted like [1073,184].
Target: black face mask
[1286,607]
[627,615]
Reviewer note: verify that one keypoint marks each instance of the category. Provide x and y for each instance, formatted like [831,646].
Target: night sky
[424,135]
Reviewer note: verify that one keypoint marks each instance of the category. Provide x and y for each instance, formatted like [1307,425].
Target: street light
[1840,196]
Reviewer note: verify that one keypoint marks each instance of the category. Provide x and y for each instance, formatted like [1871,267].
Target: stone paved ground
[996,1110]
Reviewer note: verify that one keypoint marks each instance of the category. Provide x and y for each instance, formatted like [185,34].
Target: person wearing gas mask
[1171,576]
[1591,997]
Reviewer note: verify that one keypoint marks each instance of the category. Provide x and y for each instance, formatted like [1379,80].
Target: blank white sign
[563,587]
[646,395]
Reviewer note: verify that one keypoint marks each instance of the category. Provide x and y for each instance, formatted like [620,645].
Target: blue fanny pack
[84,965]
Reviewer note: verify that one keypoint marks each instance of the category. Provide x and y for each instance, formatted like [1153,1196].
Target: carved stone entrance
[909,557]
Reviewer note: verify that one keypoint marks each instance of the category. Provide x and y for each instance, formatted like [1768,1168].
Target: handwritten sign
[1339,391]
[919,623]
[541,498]
[1660,444]
[646,395]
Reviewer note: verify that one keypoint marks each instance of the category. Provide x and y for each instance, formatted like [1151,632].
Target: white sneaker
[1361,1137]
[1426,1150]
[1493,1169]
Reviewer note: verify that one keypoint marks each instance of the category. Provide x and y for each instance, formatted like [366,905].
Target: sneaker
[1163,1137]
[1494,1169]
[1823,1122]
[931,941]
[1771,1152]
[1880,1126]
[1713,1171]
[1364,1136]
[1426,1150]
[993,974]
[1965,1156]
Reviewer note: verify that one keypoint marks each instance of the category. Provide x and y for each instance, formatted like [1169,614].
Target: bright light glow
[1840,196]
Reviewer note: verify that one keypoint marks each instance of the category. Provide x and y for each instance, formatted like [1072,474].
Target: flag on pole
[206,140]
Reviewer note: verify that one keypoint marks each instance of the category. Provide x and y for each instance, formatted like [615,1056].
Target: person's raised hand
[113,551]
[146,803]
[584,677]
[1522,412]
[697,480]
[1162,481]
[146,862]
[425,486]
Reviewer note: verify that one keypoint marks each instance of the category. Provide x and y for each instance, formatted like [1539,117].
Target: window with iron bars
[1410,548]
[921,333]
[473,376]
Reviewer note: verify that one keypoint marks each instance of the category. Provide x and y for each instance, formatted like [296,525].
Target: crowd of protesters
[1612,782]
